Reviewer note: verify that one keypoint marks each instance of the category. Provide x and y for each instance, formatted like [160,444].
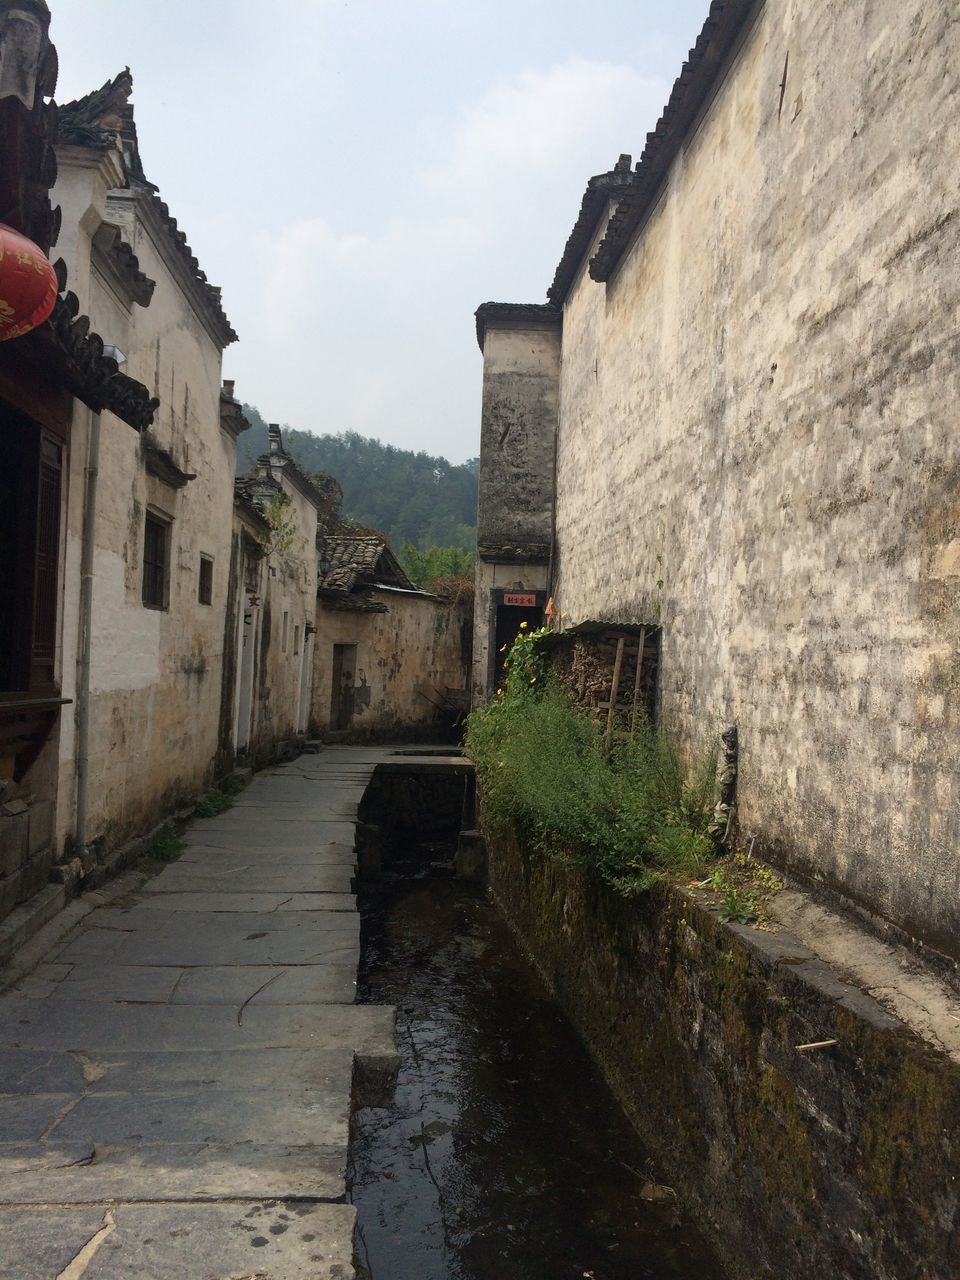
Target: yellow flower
[522,625]
[499,693]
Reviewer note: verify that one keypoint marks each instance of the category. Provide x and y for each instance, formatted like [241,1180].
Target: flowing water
[503,1155]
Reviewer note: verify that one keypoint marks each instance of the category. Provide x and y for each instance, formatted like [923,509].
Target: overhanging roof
[593,207]
[516,315]
[718,38]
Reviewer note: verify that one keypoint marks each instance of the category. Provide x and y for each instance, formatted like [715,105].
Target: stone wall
[758,412]
[406,659]
[840,1162]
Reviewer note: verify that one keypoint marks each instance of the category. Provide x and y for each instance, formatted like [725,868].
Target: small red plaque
[526,600]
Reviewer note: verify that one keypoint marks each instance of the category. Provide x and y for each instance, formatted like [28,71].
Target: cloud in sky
[390,312]
[358,175]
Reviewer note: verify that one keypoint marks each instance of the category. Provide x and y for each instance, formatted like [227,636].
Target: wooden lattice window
[156,561]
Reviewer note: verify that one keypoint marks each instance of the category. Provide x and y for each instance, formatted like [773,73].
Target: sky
[358,177]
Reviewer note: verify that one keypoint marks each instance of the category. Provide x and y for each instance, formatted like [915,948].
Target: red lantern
[28,285]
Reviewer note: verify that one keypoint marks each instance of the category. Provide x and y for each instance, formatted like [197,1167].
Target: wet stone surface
[502,1153]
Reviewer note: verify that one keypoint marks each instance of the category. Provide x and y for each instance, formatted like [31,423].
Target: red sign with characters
[525,599]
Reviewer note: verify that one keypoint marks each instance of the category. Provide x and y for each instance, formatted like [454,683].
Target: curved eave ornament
[28,285]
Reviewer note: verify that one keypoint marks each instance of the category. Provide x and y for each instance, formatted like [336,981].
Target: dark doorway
[342,696]
[510,620]
[30,537]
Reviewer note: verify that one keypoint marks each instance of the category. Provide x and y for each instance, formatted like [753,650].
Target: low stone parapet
[810,1131]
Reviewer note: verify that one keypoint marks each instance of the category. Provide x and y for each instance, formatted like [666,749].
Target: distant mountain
[413,497]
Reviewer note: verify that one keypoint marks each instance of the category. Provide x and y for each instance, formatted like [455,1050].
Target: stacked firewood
[586,670]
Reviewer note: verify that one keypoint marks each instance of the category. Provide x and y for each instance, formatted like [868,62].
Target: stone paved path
[175,1078]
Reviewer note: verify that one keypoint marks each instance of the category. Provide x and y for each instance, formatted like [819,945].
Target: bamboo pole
[617,664]
[636,683]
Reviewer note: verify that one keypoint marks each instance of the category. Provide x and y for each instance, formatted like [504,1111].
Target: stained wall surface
[155,677]
[759,411]
[517,434]
[276,608]
[406,658]
[521,371]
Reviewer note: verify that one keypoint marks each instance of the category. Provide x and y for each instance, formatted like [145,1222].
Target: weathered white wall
[517,434]
[289,586]
[156,675]
[760,411]
[518,427]
[416,648]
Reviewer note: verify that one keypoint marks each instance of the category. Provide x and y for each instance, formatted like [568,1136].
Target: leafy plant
[737,907]
[629,811]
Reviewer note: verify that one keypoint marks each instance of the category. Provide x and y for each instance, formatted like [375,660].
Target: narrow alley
[177,1073]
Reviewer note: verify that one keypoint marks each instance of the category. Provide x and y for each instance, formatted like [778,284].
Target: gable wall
[417,648]
[759,411]
[155,674]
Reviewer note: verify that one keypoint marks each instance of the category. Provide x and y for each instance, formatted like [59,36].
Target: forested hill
[411,496]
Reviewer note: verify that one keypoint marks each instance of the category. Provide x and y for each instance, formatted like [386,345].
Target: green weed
[167,845]
[213,803]
[628,809]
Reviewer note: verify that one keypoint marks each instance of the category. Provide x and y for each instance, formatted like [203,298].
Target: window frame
[159,600]
[205,580]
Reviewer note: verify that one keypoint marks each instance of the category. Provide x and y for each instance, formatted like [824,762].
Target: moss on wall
[841,1163]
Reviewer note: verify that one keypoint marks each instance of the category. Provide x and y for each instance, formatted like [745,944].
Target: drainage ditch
[502,1151]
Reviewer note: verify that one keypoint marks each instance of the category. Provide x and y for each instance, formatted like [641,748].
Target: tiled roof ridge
[288,463]
[539,313]
[96,377]
[80,121]
[211,293]
[109,239]
[353,562]
[80,124]
[592,206]
[723,26]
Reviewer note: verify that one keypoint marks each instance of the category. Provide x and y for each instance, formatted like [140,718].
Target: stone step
[26,920]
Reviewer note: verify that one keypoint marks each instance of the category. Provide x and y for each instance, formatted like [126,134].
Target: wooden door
[344,674]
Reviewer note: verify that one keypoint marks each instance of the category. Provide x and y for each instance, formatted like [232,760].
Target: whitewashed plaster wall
[155,675]
[289,585]
[406,658]
[518,425]
[760,411]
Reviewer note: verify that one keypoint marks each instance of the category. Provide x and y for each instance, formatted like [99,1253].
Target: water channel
[502,1154]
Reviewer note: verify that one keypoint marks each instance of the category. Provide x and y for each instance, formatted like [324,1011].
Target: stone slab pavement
[176,1076]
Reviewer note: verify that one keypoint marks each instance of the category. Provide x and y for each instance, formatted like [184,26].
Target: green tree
[426,567]
[412,496]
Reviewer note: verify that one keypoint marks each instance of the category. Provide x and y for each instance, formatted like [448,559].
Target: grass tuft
[213,803]
[627,809]
[167,845]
